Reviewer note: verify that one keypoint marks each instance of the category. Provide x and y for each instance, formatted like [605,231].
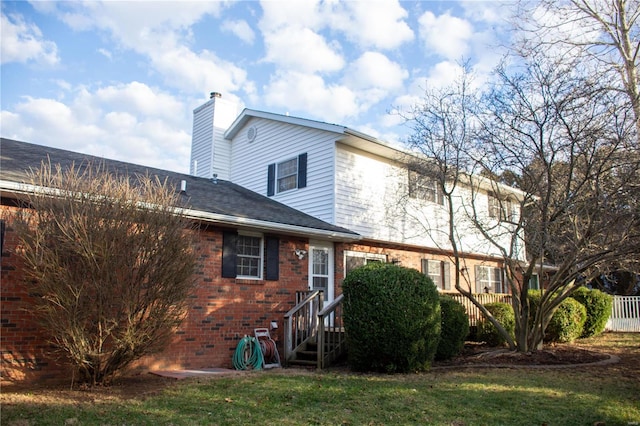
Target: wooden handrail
[331,337]
[306,300]
[304,320]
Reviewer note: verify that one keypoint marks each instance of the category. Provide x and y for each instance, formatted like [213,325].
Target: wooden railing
[301,323]
[484,298]
[331,336]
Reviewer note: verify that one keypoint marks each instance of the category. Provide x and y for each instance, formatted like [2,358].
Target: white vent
[183,185]
[252,132]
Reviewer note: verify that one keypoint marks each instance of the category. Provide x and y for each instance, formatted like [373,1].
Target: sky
[120,79]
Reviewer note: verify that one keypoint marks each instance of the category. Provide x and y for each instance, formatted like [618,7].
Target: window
[424,188]
[354,259]
[438,271]
[504,210]
[287,175]
[494,206]
[534,283]
[250,256]
[489,280]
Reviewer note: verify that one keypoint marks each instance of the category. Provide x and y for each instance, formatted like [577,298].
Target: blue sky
[120,79]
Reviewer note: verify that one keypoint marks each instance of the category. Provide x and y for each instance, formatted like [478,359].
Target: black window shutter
[229,254]
[477,271]
[271,180]
[446,276]
[272,272]
[302,170]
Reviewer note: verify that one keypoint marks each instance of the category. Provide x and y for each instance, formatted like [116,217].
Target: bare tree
[110,258]
[559,137]
[557,131]
[602,34]
[444,134]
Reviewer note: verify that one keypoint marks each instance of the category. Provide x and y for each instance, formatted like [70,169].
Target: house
[354,181]
[230,302]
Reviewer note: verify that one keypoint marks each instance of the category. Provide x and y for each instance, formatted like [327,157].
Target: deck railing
[331,337]
[472,310]
[301,323]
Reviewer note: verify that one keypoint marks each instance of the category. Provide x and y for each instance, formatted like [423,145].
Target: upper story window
[287,175]
[501,209]
[423,187]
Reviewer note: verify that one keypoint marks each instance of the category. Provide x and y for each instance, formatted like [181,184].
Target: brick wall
[222,311]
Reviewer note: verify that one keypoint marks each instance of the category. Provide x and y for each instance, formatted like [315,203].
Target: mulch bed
[555,355]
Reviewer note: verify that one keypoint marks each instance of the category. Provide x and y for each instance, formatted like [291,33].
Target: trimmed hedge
[567,322]
[599,305]
[391,317]
[455,328]
[503,312]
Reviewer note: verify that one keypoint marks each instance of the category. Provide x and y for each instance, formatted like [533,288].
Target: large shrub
[488,333]
[567,322]
[599,305]
[392,318]
[455,328]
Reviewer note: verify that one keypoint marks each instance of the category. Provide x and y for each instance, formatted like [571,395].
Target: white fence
[625,315]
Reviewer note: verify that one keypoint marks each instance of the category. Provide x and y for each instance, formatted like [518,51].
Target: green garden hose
[248,354]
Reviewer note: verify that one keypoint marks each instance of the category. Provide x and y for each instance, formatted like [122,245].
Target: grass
[576,396]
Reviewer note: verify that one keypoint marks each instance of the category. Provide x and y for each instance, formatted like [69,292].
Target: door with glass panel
[321,269]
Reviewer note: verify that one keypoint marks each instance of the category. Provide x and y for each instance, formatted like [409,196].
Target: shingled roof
[216,201]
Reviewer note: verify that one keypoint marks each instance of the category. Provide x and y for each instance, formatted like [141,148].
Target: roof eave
[199,215]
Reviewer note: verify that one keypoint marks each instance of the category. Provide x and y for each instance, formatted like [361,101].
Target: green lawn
[577,396]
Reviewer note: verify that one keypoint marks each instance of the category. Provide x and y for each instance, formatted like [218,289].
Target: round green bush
[599,305]
[503,313]
[567,322]
[391,317]
[455,328]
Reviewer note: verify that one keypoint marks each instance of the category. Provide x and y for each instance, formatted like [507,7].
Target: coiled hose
[248,354]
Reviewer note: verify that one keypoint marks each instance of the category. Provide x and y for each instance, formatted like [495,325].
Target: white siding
[371,199]
[276,142]
[210,152]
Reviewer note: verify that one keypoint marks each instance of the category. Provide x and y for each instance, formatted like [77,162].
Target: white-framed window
[423,187]
[502,209]
[354,259]
[287,175]
[494,206]
[489,279]
[438,271]
[249,256]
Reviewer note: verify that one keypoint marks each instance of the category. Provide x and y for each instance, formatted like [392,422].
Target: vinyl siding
[276,142]
[371,200]
[208,147]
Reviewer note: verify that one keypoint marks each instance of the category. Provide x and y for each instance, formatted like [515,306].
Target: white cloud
[379,24]
[301,13]
[23,42]
[310,93]
[373,77]
[104,52]
[129,122]
[161,31]
[375,70]
[240,29]
[301,49]
[445,35]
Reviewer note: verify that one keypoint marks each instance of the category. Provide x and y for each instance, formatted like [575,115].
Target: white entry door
[321,267]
